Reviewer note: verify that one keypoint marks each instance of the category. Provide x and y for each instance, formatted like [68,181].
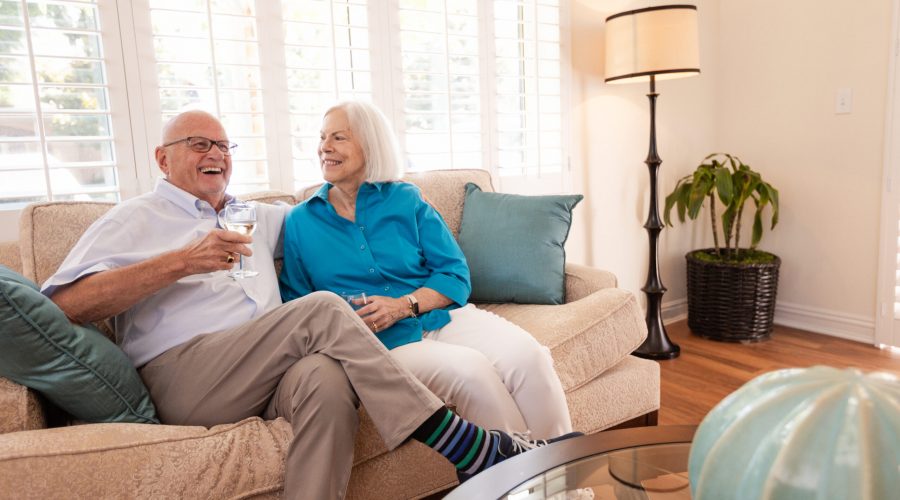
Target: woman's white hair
[377,138]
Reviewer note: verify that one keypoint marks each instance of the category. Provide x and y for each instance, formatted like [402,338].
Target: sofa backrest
[444,189]
[49,230]
[10,256]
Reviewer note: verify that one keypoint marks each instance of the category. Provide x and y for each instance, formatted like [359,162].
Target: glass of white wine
[241,218]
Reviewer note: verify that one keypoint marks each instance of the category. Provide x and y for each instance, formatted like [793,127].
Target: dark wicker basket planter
[731,302]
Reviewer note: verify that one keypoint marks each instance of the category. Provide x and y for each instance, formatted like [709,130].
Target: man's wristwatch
[413,306]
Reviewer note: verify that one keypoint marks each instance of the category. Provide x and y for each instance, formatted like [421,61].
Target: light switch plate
[843,101]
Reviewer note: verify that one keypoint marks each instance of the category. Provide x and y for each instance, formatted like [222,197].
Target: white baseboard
[836,324]
[675,310]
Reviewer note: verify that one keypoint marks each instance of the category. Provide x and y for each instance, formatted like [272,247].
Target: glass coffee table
[639,463]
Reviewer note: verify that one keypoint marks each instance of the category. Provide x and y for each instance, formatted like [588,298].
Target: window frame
[127,39]
[124,150]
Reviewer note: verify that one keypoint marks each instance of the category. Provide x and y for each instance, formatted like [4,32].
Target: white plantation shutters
[441,125]
[327,58]
[208,57]
[85,87]
[482,87]
[528,82]
[56,132]
[897,271]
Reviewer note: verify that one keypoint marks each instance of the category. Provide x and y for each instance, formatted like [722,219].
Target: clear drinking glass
[356,298]
[241,218]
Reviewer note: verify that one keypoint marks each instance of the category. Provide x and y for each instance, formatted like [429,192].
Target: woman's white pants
[495,373]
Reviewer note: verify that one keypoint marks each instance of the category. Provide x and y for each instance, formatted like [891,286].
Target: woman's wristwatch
[413,306]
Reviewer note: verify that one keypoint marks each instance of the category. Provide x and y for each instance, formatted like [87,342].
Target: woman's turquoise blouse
[398,244]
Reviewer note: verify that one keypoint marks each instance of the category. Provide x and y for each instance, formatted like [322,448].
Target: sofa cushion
[49,230]
[116,460]
[11,256]
[625,391]
[515,245]
[20,409]
[75,367]
[585,337]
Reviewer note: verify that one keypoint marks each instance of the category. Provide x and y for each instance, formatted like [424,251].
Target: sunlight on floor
[895,350]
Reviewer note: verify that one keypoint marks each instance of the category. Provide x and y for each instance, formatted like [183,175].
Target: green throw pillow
[515,245]
[75,367]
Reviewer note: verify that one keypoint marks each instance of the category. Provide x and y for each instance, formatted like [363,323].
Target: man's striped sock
[467,446]
[471,448]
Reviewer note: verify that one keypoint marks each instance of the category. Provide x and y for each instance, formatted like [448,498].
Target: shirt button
[362,247]
[371,270]
[387,288]
[362,228]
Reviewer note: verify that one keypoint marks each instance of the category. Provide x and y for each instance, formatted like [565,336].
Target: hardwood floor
[707,370]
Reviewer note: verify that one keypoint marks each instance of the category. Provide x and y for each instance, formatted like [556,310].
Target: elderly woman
[365,230]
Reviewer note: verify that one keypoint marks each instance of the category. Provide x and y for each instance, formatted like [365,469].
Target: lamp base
[658,355]
[657,344]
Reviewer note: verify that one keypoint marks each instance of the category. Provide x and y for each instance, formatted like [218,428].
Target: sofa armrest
[20,408]
[582,281]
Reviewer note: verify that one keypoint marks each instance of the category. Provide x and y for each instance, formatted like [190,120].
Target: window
[440,121]
[528,88]
[56,132]
[85,86]
[327,58]
[207,57]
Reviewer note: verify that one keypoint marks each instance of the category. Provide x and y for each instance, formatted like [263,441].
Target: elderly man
[212,349]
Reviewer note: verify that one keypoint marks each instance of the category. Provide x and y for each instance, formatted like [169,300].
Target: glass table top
[651,472]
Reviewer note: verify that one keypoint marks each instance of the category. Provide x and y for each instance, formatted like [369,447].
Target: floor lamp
[646,45]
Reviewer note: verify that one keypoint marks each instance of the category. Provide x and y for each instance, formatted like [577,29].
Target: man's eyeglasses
[203,145]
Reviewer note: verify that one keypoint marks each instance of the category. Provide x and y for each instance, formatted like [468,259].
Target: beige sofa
[590,337]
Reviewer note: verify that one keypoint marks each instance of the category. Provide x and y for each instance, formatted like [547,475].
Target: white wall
[770,72]
[780,70]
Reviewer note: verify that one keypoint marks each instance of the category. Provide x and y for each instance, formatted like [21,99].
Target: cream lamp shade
[660,41]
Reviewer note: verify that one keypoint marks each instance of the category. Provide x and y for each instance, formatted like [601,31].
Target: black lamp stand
[657,345]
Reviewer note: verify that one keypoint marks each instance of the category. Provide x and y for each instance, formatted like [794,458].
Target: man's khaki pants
[311,361]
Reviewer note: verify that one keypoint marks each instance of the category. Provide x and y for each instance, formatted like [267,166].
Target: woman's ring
[374,326]
[229,259]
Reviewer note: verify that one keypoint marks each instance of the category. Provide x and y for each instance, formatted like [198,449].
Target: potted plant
[731,290]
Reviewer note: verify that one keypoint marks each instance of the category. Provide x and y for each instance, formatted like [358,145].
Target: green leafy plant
[724,177]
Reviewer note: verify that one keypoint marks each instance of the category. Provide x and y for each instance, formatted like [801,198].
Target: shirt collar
[184,200]
[322,192]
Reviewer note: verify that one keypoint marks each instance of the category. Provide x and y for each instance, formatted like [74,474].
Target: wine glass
[241,218]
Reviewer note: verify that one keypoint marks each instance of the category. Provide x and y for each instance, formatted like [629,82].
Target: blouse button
[387,288]
[362,247]
[371,270]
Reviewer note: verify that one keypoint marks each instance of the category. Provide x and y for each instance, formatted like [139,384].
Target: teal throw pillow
[75,367]
[515,245]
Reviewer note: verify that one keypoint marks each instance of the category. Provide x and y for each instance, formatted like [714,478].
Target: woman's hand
[380,313]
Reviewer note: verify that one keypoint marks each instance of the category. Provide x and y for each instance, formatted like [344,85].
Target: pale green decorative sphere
[803,433]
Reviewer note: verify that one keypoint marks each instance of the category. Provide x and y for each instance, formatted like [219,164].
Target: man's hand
[107,293]
[211,253]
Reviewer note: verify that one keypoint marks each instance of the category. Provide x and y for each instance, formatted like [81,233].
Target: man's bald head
[180,125]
